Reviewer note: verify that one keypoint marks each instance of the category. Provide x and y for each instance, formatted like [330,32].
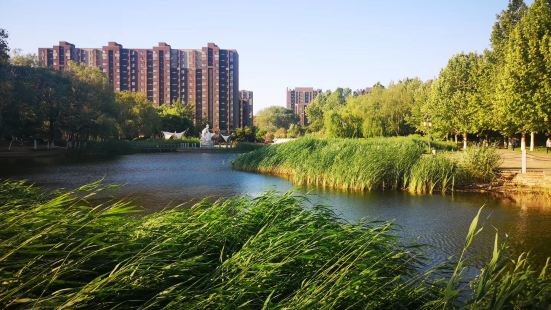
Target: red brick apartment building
[298,99]
[207,78]
[246,98]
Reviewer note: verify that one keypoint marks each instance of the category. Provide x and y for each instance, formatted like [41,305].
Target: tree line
[75,105]
[504,90]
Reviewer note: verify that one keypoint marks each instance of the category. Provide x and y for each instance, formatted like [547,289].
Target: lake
[157,181]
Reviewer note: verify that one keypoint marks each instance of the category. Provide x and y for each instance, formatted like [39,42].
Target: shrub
[480,163]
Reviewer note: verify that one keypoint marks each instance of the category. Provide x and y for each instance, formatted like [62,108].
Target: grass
[60,250]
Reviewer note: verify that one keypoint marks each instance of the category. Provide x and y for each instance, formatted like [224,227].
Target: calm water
[160,180]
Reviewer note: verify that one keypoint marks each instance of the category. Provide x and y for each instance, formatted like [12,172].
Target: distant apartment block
[206,78]
[298,99]
[246,104]
[362,91]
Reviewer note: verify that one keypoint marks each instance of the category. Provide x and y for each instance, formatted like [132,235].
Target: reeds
[63,251]
[434,173]
[356,164]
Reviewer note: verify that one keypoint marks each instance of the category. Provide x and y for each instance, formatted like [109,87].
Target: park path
[535,161]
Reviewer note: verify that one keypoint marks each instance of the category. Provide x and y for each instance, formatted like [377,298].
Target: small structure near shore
[206,138]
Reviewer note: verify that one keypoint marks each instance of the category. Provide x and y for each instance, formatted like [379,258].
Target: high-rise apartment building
[206,78]
[246,97]
[298,99]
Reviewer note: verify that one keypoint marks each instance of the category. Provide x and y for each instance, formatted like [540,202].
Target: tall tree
[176,116]
[455,97]
[91,99]
[4,49]
[272,118]
[505,23]
[524,83]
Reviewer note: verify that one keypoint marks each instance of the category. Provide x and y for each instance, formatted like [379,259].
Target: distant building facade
[246,98]
[298,99]
[362,91]
[206,78]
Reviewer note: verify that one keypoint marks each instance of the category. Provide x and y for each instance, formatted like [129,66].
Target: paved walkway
[535,161]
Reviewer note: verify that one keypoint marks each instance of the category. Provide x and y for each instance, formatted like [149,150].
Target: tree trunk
[510,142]
[455,136]
[52,131]
[505,145]
[523,151]
[464,140]
[532,140]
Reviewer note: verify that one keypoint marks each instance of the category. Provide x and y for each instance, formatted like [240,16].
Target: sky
[323,44]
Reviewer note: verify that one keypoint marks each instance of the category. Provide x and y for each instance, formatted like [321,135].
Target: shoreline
[503,186]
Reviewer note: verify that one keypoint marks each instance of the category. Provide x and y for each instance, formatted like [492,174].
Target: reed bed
[348,164]
[273,252]
[435,173]
[374,164]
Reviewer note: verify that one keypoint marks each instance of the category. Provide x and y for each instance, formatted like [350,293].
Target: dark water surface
[159,180]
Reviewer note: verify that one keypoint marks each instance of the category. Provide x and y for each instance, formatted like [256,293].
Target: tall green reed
[358,164]
[65,251]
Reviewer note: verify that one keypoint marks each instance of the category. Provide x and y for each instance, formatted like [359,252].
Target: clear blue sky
[325,44]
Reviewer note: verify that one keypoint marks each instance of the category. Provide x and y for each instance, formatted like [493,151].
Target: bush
[480,163]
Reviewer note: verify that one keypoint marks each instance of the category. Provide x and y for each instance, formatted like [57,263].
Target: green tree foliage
[506,22]
[91,100]
[456,96]
[177,116]
[294,131]
[19,59]
[524,82]
[341,123]
[505,89]
[137,116]
[32,103]
[323,102]
[246,134]
[4,49]
[272,118]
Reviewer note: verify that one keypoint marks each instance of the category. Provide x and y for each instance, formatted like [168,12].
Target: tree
[272,118]
[137,116]
[33,103]
[4,49]
[324,102]
[524,87]
[245,134]
[342,124]
[91,98]
[19,59]
[176,116]
[506,22]
[455,97]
